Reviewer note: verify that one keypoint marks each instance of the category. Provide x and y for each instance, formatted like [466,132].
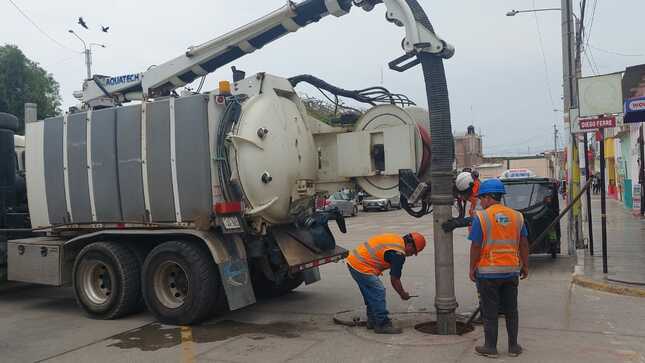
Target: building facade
[468,149]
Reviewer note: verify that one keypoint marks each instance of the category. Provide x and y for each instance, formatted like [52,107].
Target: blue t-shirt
[396,261]
[476,236]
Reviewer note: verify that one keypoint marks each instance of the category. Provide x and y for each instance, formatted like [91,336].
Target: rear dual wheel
[181,283]
[107,280]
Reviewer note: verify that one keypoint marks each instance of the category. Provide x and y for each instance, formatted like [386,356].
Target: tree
[23,80]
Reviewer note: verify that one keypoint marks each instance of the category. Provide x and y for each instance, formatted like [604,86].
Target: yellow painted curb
[608,287]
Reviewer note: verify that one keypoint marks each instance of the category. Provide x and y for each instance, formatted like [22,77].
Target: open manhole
[430,327]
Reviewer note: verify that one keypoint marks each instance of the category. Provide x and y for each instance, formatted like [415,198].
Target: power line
[593,59]
[615,53]
[546,67]
[593,17]
[39,28]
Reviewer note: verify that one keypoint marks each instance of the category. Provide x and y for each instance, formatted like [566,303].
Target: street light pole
[88,53]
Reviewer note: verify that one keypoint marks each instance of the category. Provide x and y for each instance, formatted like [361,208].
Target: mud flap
[300,253]
[311,275]
[236,277]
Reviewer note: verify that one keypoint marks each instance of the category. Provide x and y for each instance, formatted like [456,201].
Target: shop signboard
[601,95]
[634,94]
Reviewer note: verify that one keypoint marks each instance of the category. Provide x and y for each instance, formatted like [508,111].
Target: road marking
[187,352]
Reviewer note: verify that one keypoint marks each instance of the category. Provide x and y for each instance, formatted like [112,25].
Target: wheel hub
[171,284]
[96,281]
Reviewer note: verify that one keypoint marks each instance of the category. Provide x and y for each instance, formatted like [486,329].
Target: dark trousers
[496,293]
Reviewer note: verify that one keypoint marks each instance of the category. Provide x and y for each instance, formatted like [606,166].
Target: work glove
[454,223]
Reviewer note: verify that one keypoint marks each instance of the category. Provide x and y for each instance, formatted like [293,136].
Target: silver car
[344,202]
[384,204]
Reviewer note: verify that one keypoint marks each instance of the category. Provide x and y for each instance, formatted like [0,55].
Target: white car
[383,204]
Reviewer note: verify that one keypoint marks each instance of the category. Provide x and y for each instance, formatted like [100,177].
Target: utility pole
[641,174]
[556,171]
[570,54]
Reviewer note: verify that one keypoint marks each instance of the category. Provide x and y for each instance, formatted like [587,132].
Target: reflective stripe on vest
[369,257]
[500,242]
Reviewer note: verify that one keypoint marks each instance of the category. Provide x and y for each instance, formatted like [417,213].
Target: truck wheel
[140,250]
[181,283]
[106,280]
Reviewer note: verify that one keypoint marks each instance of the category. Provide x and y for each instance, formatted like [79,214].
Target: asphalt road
[558,321]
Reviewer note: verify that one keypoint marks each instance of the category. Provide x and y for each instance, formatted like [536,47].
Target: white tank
[274,156]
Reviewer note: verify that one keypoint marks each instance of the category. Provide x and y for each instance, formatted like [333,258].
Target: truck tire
[140,250]
[106,280]
[181,284]
[265,288]
[8,122]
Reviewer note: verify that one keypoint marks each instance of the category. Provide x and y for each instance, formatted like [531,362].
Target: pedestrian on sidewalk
[499,256]
[368,261]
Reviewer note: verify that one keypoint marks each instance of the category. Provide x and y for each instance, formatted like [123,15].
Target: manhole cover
[431,328]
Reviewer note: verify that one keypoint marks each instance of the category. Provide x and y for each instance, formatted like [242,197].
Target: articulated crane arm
[205,58]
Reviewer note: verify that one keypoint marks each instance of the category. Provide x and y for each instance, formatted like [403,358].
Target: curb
[607,286]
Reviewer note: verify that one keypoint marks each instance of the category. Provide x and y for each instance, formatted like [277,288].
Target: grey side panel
[77,168]
[104,166]
[192,156]
[54,177]
[159,170]
[128,134]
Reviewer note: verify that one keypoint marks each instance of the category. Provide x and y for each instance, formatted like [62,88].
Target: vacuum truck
[199,202]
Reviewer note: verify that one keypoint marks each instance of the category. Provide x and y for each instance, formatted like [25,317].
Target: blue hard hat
[491,186]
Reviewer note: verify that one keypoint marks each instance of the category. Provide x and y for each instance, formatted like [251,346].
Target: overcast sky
[498,79]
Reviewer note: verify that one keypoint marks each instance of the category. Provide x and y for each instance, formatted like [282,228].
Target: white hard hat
[464,181]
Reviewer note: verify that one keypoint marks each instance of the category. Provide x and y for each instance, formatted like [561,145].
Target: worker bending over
[368,261]
[499,254]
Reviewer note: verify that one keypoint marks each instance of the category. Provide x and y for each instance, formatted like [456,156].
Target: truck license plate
[231,222]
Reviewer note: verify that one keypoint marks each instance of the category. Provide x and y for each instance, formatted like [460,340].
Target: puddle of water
[155,336]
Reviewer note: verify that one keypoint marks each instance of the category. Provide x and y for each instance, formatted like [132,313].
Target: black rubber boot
[512,328]
[489,349]
[387,328]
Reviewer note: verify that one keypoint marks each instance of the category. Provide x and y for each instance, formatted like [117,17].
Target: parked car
[343,201]
[537,199]
[383,204]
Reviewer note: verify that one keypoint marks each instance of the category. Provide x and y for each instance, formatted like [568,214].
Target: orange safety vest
[369,257]
[473,197]
[501,232]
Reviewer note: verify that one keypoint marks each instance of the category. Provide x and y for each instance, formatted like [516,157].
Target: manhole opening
[431,328]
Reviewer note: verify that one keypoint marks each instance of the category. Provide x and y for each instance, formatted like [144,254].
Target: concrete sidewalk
[625,252]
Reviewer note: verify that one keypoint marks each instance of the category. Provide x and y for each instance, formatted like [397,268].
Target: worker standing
[468,184]
[475,192]
[368,261]
[498,256]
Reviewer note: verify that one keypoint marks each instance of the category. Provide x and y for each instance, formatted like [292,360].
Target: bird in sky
[81,22]
[105,28]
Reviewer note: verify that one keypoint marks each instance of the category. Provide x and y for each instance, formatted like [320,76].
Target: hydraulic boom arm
[205,58]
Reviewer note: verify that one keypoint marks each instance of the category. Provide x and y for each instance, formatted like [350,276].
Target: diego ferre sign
[597,123]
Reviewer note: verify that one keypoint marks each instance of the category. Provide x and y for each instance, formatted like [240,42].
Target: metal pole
[88,62]
[589,215]
[556,174]
[603,201]
[641,175]
[559,218]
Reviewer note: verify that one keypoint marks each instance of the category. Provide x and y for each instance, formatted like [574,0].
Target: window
[523,196]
